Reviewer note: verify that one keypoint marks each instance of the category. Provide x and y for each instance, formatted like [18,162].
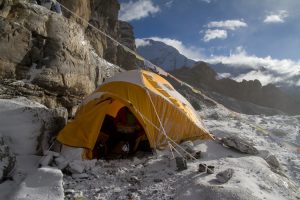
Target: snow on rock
[224,176]
[44,183]
[6,188]
[26,164]
[7,159]
[27,124]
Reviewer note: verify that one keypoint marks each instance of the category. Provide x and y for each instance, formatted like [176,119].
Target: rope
[164,132]
[170,146]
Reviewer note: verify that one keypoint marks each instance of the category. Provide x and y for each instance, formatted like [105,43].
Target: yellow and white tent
[161,110]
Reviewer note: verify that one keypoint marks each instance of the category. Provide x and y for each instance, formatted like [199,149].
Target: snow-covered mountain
[163,55]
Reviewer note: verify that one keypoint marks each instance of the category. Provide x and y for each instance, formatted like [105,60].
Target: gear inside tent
[134,110]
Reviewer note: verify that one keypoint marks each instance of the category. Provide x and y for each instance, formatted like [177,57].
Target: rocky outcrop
[61,55]
[28,126]
[81,8]
[104,16]
[126,35]
[50,52]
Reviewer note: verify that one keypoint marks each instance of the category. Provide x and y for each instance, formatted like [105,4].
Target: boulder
[7,158]
[239,144]
[28,125]
[224,176]
[270,159]
[181,163]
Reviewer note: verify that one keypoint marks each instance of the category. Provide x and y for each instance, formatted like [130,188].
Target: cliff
[57,60]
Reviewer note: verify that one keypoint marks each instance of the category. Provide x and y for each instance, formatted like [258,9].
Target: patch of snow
[44,183]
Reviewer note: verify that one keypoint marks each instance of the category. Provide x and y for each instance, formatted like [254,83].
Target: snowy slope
[163,55]
[155,176]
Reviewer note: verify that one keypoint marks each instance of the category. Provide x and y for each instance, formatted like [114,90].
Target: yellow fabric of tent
[151,98]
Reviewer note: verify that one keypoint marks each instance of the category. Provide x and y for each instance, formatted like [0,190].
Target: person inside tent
[51,5]
[125,139]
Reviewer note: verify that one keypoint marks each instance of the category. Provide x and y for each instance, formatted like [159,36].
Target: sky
[238,32]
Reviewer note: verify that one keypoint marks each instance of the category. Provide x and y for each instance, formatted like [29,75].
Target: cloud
[206,1]
[223,75]
[169,4]
[214,34]
[266,69]
[191,52]
[141,42]
[264,77]
[136,10]
[276,17]
[227,24]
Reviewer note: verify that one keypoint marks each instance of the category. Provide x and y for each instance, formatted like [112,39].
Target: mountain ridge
[207,77]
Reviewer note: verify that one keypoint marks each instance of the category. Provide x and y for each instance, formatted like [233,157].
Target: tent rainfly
[161,110]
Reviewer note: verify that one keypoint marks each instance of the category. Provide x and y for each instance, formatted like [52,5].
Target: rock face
[50,52]
[126,37]
[104,16]
[60,59]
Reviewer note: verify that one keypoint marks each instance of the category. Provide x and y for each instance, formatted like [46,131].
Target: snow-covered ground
[278,134]
[156,177]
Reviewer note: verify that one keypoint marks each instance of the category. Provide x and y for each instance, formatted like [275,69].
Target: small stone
[197,155]
[157,180]
[272,161]
[181,163]
[132,190]
[134,180]
[61,162]
[202,168]
[69,191]
[210,169]
[225,176]
[76,167]
[80,176]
